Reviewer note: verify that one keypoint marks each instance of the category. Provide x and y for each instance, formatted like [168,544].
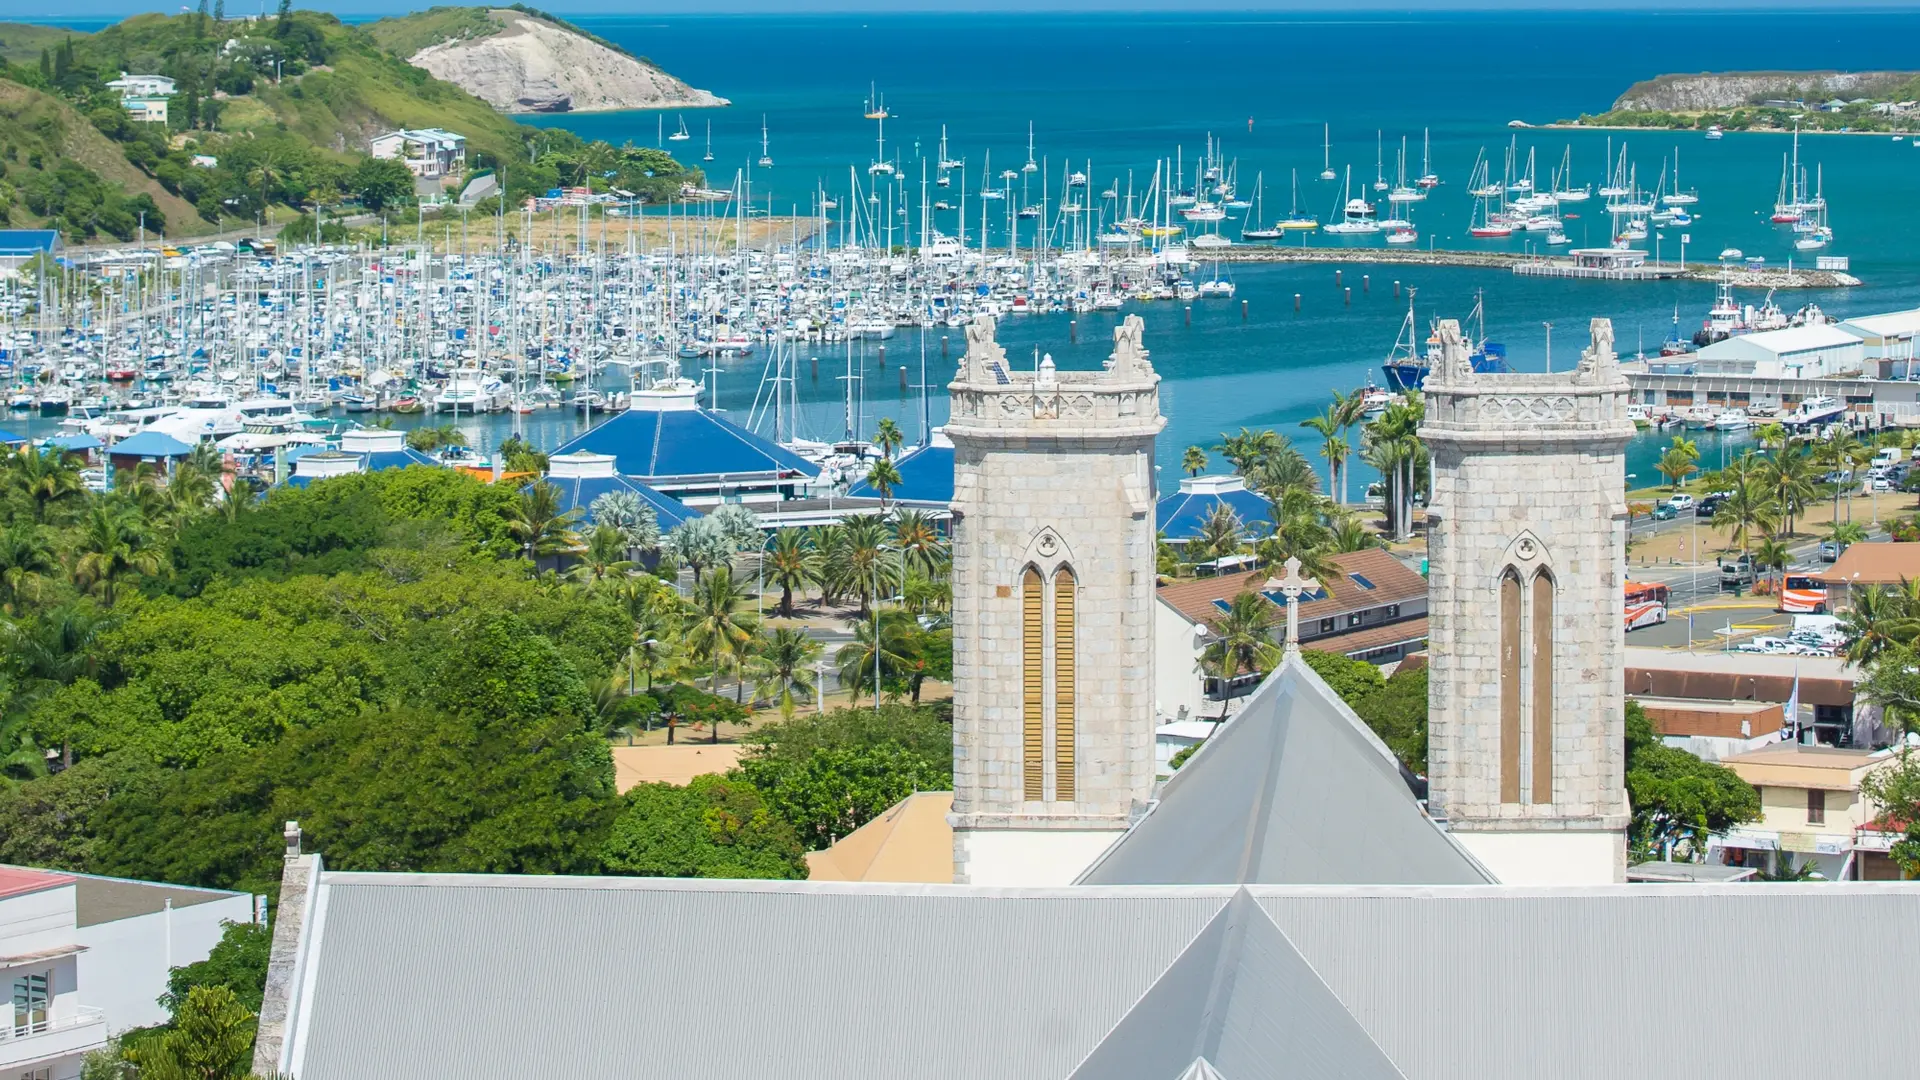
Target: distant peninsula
[1837,101]
[518,59]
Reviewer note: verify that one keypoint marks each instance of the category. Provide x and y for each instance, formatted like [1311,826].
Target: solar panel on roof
[1223,605]
[999,373]
[1361,580]
[1280,598]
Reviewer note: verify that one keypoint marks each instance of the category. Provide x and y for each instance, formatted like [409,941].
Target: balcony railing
[13,1029]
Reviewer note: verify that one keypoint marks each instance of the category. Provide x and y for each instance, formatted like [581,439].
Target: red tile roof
[15,881]
[1393,583]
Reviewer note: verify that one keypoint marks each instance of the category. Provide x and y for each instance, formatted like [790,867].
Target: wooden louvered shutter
[1063,682]
[1033,684]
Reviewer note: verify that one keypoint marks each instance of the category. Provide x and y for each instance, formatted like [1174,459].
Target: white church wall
[1030,857]
[1549,858]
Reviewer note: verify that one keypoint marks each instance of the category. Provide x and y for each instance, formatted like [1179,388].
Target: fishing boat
[1407,368]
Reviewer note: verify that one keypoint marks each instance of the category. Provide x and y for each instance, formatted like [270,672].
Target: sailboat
[683,134]
[1326,153]
[708,156]
[1295,220]
[1379,162]
[1564,191]
[876,107]
[1679,197]
[1259,214]
[1401,193]
[766,159]
[1428,178]
[1031,166]
[881,166]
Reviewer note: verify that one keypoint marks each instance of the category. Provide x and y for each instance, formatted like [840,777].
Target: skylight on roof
[1361,580]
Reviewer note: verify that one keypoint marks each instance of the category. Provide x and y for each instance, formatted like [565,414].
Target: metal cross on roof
[1291,586]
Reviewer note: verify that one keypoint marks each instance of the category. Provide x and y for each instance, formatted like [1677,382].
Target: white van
[1887,455]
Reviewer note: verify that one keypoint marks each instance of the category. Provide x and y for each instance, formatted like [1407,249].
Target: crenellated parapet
[990,398]
[1587,402]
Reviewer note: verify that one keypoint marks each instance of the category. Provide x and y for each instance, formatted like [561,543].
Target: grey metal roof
[1609,982]
[453,977]
[1295,789]
[447,976]
[1243,1001]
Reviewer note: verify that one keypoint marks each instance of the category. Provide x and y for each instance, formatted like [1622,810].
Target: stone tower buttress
[1527,557]
[1053,594]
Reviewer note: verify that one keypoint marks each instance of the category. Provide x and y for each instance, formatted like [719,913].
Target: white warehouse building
[1798,352]
[1888,340]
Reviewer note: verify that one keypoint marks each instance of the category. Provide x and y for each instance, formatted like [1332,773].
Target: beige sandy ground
[562,232]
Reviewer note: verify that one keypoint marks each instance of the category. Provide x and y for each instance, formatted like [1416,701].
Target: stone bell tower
[1053,578]
[1526,741]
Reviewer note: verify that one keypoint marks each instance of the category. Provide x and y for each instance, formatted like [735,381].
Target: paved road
[1718,616]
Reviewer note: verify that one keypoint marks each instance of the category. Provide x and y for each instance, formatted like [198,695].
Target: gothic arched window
[1033,685]
[1540,671]
[1512,679]
[1064,672]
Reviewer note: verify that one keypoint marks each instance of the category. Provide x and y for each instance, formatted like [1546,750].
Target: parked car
[1681,502]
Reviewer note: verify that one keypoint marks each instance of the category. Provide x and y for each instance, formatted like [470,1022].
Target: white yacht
[471,391]
[1732,420]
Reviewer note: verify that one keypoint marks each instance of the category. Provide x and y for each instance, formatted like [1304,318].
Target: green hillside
[22,43]
[271,118]
[55,163]
[406,35]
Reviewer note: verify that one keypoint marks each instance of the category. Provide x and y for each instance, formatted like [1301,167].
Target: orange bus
[1803,594]
[1647,592]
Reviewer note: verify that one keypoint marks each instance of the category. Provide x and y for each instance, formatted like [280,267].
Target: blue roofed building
[926,477]
[1181,514]
[383,448]
[20,245]
[666,441]
[8,438]
[583,476]
[153,446]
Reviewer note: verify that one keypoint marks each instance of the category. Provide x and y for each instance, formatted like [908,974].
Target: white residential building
[83,958]
[142,85]
[48,1031]
[1798,352]
[428,152]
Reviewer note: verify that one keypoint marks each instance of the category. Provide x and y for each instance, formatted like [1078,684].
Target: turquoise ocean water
[1113,93]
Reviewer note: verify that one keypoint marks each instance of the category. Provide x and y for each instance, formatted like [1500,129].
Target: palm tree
[1838,452]
[783,662]
[27,562]
[1194,461]
[860,562]
[718,632]
[792,566]
[1845,534]
[1333,445]
[1679,461]
[698,544]
[1771,436]
[918,540]
[1349,533]
[47,479]
[627,512]
[114,543]
[1243,642]
[1876,620]
[1788,479]
[888,437]
[1746,510]
[1283,469]
[659,622]
[536,520]
[1771,555]
[883,477]
[1247,449]
[883,644]
[1219,536]
[603,559]
[1391,444]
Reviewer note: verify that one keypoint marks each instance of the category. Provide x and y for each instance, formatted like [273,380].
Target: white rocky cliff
[534,66]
